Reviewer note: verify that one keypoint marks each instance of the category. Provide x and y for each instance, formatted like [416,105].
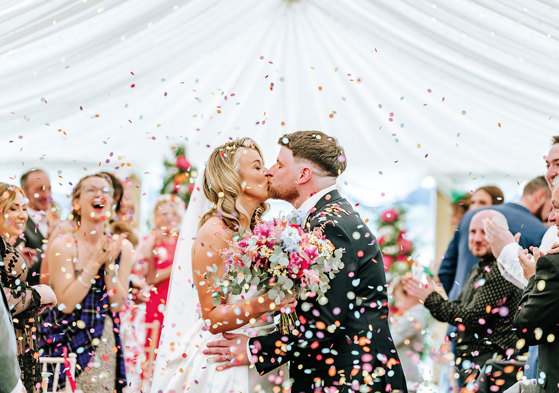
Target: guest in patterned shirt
[89,269]
[484,309]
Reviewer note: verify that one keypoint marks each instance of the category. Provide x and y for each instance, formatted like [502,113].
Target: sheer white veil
[182,310]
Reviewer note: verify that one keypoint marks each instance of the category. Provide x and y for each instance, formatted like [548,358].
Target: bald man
[484,308]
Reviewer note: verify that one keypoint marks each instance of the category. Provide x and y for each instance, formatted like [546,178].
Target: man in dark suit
[537,321]
[525,217]
[343,341]
[36,186]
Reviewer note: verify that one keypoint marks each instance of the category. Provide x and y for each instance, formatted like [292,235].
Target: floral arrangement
[180,175]
[281,258]
[396,248]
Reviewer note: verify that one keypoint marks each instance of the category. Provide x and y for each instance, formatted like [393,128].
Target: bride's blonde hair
[222,185]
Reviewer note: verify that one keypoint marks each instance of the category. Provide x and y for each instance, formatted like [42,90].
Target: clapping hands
[498,236]
[417,289]
[528,261]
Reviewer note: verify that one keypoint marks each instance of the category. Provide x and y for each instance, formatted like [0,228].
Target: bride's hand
[288,304]
[267,304]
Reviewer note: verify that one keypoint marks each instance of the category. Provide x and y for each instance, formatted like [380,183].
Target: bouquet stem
[287,322]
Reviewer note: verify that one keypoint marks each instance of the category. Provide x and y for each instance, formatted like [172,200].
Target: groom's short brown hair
[318,148]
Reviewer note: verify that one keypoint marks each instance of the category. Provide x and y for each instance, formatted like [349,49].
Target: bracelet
[88,272]
[83,283]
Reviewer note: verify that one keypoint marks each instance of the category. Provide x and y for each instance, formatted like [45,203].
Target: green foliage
[180,175]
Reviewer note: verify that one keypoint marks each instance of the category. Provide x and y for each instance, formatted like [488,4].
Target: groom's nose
[268,172]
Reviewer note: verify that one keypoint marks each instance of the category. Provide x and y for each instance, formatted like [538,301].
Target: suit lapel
[36,237]
[331,197]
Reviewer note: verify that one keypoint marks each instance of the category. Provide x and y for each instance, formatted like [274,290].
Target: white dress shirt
[313,199]
[306,207]
[40,219]
[509,264]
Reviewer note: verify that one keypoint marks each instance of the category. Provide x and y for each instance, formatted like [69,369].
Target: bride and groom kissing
[342,344]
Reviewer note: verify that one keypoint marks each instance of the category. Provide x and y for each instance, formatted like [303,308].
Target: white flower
[387,231]
[291,239]
[297,217]
[391,250]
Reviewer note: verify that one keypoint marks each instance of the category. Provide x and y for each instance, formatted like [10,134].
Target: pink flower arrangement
[281,258]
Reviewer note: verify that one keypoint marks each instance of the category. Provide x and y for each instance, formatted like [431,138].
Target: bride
[234,187]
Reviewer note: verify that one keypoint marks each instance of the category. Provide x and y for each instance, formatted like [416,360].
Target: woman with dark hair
[486,196]
[89,269]
[25,301]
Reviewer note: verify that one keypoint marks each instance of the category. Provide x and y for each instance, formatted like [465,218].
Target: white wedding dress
[188,369]
[180,365]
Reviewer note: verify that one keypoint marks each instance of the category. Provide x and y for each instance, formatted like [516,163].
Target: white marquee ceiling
[452,89]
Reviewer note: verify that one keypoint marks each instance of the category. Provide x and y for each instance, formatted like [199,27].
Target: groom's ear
[305,175]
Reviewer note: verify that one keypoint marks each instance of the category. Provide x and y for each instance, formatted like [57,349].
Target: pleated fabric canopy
[457,90]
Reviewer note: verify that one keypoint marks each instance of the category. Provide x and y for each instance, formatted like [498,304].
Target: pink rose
[388,261]
[402,258]
[406,246]
[389,216]
[183,163]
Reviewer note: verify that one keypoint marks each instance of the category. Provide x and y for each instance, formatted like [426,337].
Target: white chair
[150,350]
[57,363]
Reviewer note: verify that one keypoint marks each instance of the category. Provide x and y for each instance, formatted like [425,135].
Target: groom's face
[282,177]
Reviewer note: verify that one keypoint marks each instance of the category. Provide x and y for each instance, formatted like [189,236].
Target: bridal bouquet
[280,257]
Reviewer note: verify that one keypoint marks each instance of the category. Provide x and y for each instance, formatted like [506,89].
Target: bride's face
[253,175]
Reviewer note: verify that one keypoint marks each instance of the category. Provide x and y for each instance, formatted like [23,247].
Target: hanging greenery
[180,176]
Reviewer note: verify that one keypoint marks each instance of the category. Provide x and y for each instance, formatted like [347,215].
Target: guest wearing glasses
[89,269]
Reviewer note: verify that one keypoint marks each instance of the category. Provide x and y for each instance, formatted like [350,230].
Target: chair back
[56,363]
[151,348]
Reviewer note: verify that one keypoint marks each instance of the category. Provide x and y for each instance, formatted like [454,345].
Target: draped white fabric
[452,89]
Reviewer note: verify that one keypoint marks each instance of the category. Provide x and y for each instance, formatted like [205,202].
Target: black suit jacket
[347,340]
[538,320]
[33,238]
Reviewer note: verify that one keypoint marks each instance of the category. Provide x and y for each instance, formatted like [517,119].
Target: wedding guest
[484,308]
[524,216]
[406,328]
[10,376]
[125,208]
[168,212]
[486,196]
[537,321]
[119,225]
[25,301]
[36,186]
[89,269]
[505,247]
[459,208]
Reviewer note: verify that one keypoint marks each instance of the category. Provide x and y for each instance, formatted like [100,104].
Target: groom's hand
[232,351]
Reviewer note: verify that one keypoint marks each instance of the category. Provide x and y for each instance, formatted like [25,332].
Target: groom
[344,344]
